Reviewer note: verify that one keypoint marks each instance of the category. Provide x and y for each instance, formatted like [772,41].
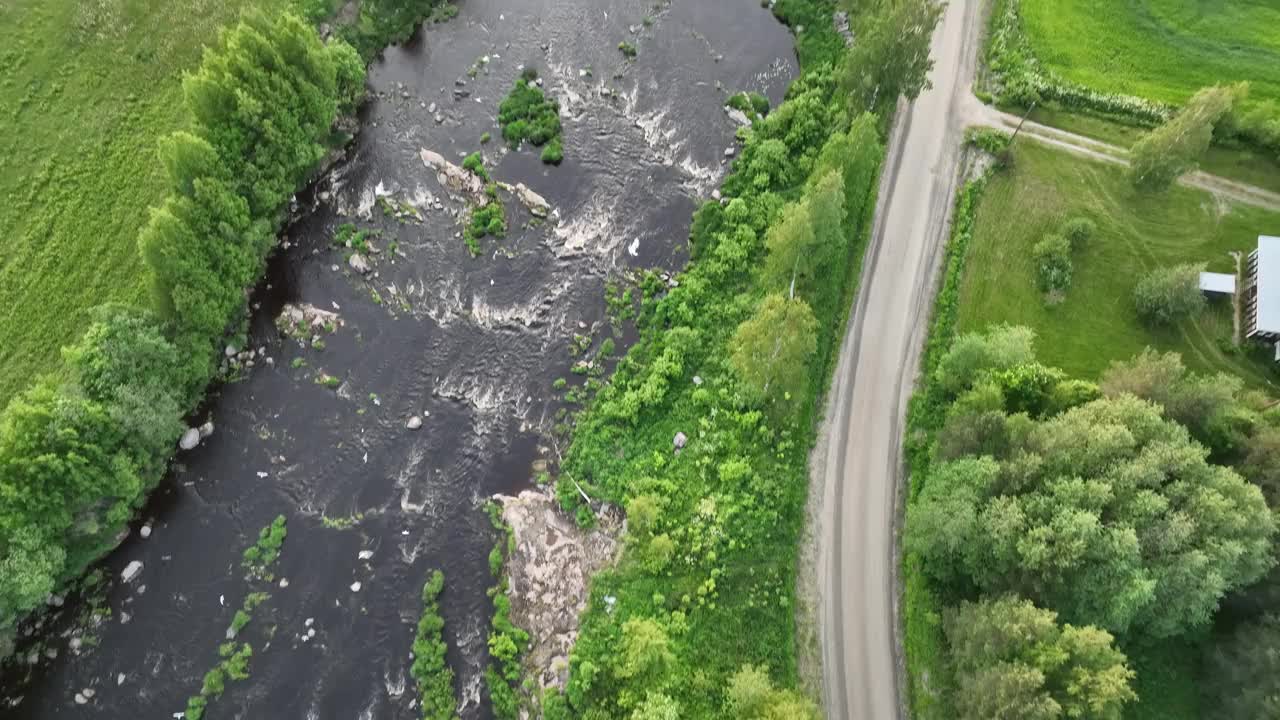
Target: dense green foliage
[1165,153]
[1106,512]
[506,641]
[430,671]
[1014,661]
[88,88]
[707,576]
[891,55]
[259,557]
[529,115]
[80,450]
[1166,295]
[1244,672]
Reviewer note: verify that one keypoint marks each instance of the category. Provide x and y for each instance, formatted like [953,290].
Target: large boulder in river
[532,200]
[452,176]
[359,264]
[131,571]
[190,439]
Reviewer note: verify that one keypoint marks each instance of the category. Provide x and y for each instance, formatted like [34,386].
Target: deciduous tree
[771,349]
[1165,153]
[1014,662]
[891,55]
[1107,513]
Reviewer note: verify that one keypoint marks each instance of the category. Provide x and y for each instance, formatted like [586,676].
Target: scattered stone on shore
[190,439]
[737,116]
[364,554]
[145,531]
[548,571]
[414,423]
[206,429]
[355,586]
[730,152]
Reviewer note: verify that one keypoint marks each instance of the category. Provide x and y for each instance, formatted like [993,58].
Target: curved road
[858,464]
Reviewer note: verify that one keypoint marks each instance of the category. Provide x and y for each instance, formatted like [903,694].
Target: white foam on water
[395,687]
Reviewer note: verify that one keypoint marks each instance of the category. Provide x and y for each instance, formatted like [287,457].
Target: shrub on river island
[752,104]
[488,219]
[529,115]
[475,163]
[259,557]
[430,670]
[628,50]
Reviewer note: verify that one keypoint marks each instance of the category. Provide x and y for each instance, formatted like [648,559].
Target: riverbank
[471,347]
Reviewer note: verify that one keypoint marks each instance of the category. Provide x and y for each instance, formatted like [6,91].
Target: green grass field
[86,88]
[1096,323]
[1158,49]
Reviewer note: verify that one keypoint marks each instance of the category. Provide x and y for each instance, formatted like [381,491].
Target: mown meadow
[1164,50]
[1096,323]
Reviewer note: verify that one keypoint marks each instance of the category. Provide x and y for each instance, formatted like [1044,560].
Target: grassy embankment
[1137,232]
[79,450]
[86,90]
[1108,68]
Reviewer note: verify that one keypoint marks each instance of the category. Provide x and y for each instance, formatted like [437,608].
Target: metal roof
[1218,283]
[1268,281]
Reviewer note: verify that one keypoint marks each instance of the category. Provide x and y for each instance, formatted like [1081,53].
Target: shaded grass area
[1097,323]
[1159,49]
[1167,682]
[86,89]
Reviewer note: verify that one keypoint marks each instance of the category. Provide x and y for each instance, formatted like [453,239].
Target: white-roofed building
[1260,299]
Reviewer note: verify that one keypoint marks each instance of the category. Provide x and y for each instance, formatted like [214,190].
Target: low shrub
[1052,257]
[1079,231]
[1167,295]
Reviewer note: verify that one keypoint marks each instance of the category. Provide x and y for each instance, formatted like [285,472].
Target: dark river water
[470,345]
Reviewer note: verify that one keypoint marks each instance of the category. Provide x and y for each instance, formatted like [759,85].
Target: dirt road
[858,464]
[1098,150]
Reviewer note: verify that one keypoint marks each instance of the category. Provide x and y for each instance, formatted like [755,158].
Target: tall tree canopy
[891,55]
[1165,153]
[1108,513]
[1014,662]
[771,349]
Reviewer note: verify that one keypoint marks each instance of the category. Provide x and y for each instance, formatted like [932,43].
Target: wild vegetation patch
[530,115]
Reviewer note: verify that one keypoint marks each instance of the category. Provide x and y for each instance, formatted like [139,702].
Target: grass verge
[928,677]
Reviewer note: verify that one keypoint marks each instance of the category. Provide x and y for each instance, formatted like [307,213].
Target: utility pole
[1025,115]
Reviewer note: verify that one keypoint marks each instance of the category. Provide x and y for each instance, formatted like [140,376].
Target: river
[470,345]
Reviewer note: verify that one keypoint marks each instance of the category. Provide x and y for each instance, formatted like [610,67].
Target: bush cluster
[430,670]
[1052,256]
[79,450]
[529,115]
